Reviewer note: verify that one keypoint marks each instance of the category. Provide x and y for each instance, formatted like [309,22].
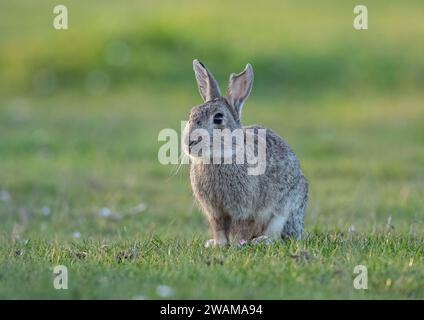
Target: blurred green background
[81,109]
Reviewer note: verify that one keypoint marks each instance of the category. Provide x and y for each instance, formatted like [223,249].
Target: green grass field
[80,113]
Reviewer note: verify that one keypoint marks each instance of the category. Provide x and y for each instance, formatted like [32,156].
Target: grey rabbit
[245,207]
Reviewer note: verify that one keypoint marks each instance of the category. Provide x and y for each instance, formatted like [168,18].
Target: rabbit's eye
[217,118]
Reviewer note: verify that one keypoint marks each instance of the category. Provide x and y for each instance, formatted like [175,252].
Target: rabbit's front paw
[213,243]
[210,243]
[262,240]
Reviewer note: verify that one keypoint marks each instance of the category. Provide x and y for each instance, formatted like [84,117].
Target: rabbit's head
[217,112]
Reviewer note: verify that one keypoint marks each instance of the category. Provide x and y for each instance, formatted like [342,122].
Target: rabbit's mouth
[193,143]
[198,148]
[193,147]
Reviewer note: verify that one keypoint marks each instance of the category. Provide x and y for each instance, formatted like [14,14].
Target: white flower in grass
[76,235]
[164,291]
[105,212]
[351,232]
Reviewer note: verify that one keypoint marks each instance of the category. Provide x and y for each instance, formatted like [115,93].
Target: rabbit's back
[282,166]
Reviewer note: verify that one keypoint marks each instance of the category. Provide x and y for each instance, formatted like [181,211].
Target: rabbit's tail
[294,225]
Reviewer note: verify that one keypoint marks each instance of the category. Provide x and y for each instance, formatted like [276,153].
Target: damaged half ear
[208,87]
[239,88]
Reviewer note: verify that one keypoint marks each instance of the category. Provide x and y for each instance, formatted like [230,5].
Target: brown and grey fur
[238,205]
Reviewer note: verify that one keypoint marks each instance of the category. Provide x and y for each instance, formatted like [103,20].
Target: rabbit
[239,206]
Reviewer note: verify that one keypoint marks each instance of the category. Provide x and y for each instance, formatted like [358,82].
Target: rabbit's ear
[208,87]
[239,87]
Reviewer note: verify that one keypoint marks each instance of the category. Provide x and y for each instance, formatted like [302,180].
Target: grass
[321,264]
[80,184]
